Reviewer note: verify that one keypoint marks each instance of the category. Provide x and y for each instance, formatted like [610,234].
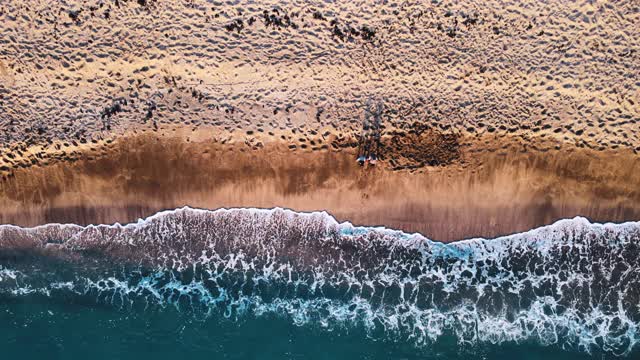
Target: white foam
[393,294]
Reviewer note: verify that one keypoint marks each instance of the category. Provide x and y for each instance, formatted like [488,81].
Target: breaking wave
[572,284]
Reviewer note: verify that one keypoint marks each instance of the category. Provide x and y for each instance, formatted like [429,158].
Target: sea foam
[572,284]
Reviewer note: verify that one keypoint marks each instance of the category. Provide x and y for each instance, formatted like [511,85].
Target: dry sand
[500,115]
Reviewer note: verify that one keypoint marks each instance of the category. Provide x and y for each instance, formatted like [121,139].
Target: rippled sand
[564,70]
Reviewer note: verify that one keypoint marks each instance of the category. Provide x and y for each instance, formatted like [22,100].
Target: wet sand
[486,194]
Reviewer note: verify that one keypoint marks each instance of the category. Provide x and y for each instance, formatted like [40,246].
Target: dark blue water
[250,284]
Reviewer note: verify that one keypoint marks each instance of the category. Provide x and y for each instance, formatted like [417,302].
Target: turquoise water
[69,331]
[275,284]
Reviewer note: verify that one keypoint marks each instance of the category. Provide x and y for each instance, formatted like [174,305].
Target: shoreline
[485,194]
[342,225]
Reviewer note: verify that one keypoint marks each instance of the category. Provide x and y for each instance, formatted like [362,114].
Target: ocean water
[276,284]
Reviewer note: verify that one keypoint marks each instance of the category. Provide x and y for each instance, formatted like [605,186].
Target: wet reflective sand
[493,194]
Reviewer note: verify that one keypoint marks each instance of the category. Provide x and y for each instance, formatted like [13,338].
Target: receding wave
[572,284]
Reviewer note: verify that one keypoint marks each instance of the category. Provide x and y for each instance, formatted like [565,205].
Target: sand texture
[498,115]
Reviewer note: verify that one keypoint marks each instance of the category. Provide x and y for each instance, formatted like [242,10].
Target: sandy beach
[499,116]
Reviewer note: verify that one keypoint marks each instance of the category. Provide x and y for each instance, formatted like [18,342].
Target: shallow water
[250,283]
